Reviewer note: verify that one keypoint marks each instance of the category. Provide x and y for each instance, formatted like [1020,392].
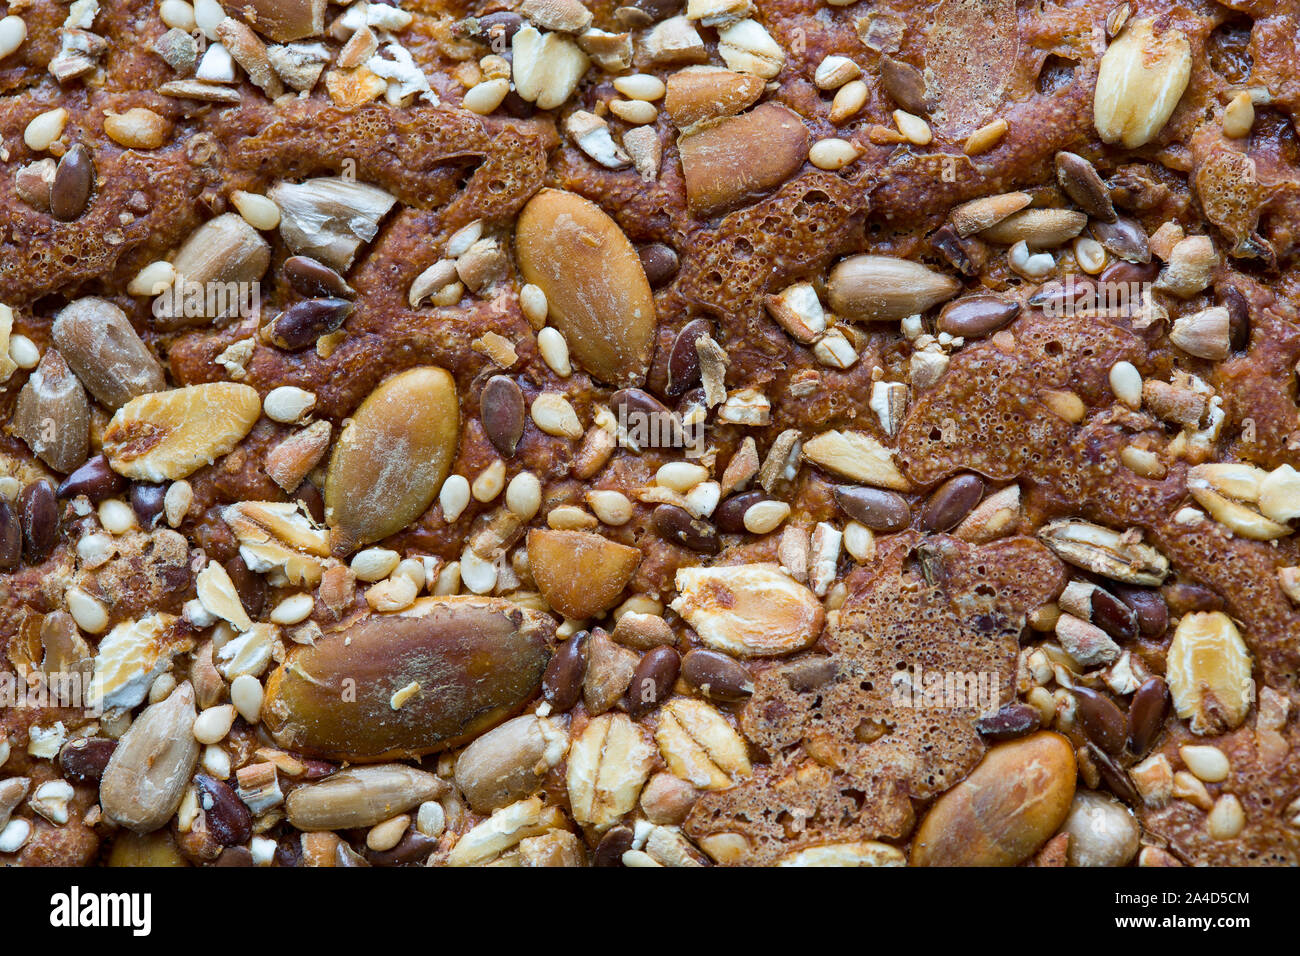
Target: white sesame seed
[640,86]
[1126,383]
[44,129]
[292,610]
[524,495]
[555,351]
[260,212]
[454,497]
[374,564]
[490,482]
[116,516]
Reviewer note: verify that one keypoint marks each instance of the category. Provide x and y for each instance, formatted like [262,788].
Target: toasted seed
[609,851]
[739,157]
[103,349]
[484,657]
[1082,183]
[73,180]
[42,131]
[137,128]
[951,502]
[683,360]
[729,516]
[973,316]
[301,324]
[857,456]
[52,414]
[678,526]
[391,458]
[1124,238]
[716,675]
[314,279]
[848,100]
[40,520]
[652,681]
[501,410]
[581,574]
[554,414]
[1208,668]
[562,683]
[832,153]
[228,819]
[904,84]
[660,262]
[1011,720]
[1105,552]
[146,777]
[84,760]
[168,435]
[878,509]
[884,288]
[987,211]
[1103,722]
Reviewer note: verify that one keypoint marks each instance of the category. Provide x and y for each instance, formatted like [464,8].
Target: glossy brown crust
[448,168]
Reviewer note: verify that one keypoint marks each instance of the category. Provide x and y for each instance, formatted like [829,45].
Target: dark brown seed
[516,106]
[1238,318]
[414,847]
[810,674]
[32,183]
[644,416]
[1183,598]
[904,84]
[501,409]
[11,538]
[1148,607]
[73,179]
[562,682]
[40,520]
[494,29]
[1113,775]
[952,501]
[729,516]
[660,262]
[683,360]
[1124,237]
[612,846]
[288,852]
[1113,616]
[1012,720]
[228,818]
[1102,721]
[1083,184]
[95,479]
[652,681]
[1146,715]
[954,248]
[976,315]
[147,502]
[314,279]
[84,760]
[878,509]
[1057,295]
[676,525]
[1128,273]
[717,676]
[657,9]
[250,587]
[312,500]
[300,325]
[235,856]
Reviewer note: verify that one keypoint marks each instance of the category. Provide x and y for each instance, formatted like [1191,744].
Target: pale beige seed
[494,67]
[764,516]
[116,516]
[89,613]
[1227,819]
[1090,254]
[570,518]
[1208,763]
[484,98]
[215,761]
[555,351]
[288,404]
[849,98]
[832,154]
[374,564]
[152,279]
[176,502]
[44,129]
[1143,461]
[1126,383]
[640,86]
[491,481]
[612,507]
[177,14]
[532,302]
[260,212]
[636,112]
[212,725]
[13,30]
[137,128]
[524,495]
[392,594]
[553,414]
[246,694]
[384,836]
[985,138]
[454,497]
[859,542]
[681,476]
[1239,117]
[913,128]
[292,610]
[834,71]
[23,352]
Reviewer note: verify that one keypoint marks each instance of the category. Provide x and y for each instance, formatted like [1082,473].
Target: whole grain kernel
[374,564]
[454,497]
[636,112]
[491,481]
[212,725]
[177,501]
[484,98]
[849,99]
[524,495]
[553,414]
[1126,384]
[570,518]
[640,86]
[116,516]
[764,516]
[246,694]
[292,610]
[913,128]
[555,351]
[832,154]
[532,302]
[611,507]
[260,212]
[45,128]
